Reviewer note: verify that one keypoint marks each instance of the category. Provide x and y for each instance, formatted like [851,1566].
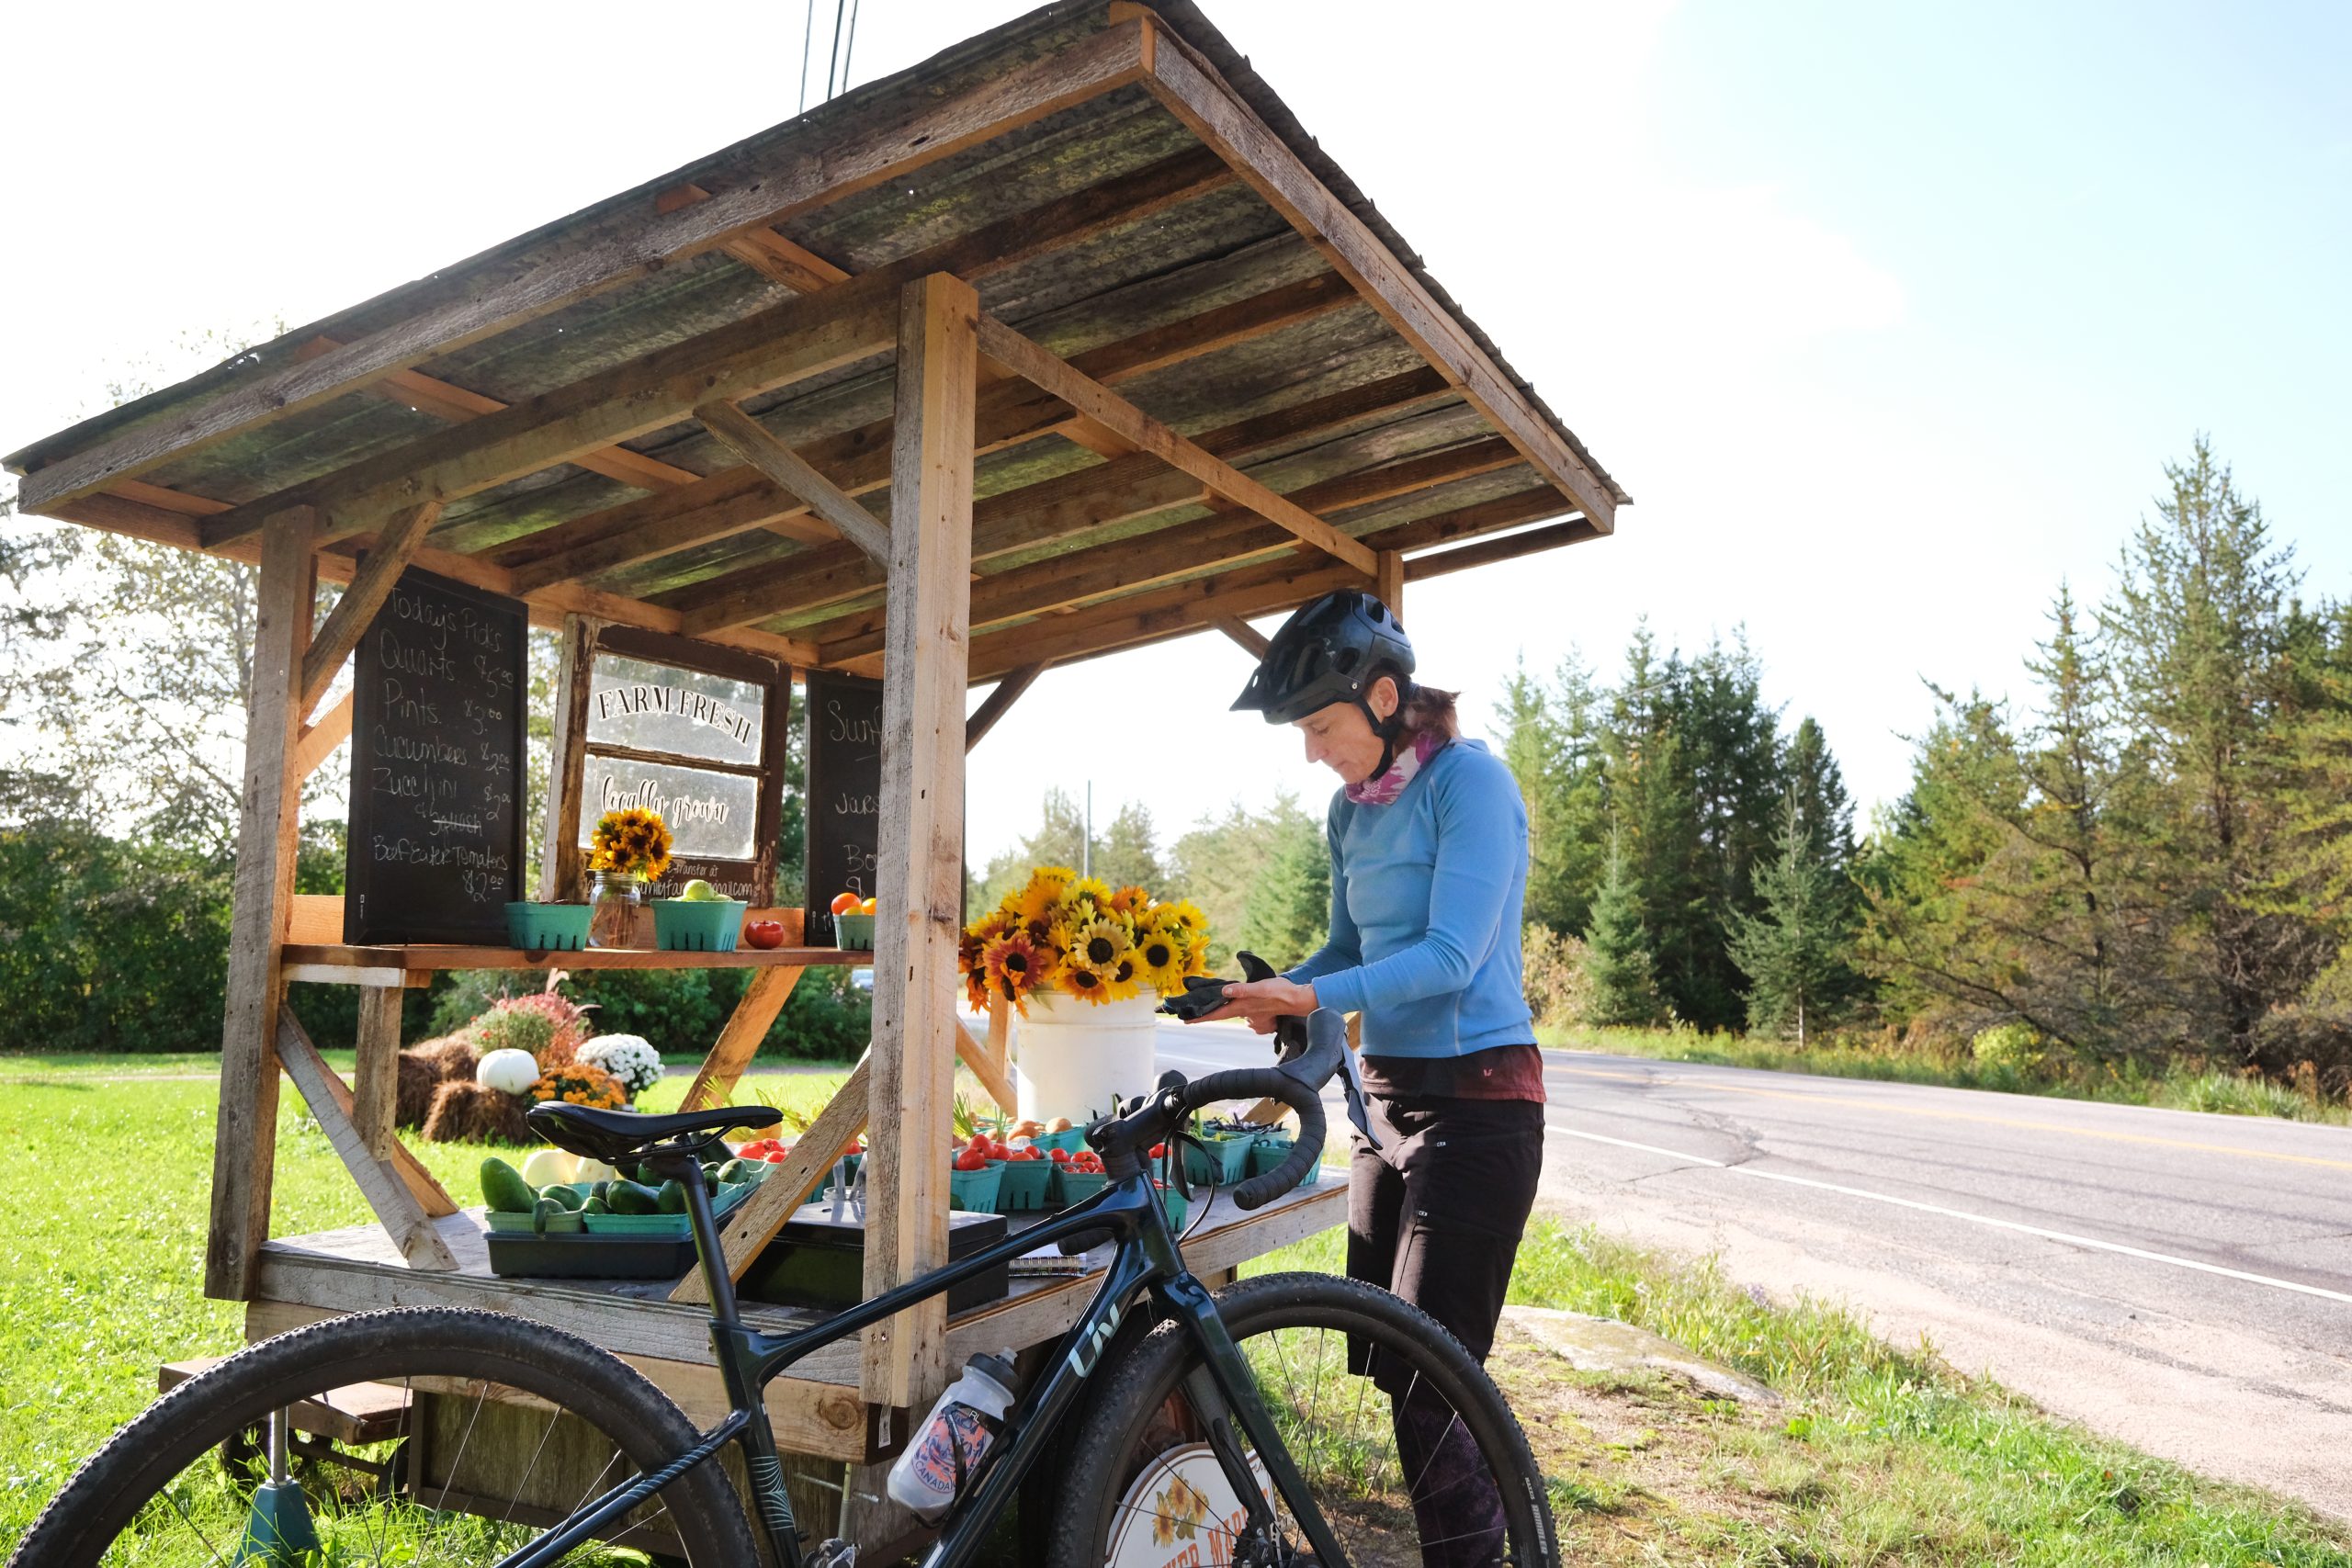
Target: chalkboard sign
[844,791]
[438,701]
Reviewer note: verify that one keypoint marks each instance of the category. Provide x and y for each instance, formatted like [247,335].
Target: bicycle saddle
[619,1137]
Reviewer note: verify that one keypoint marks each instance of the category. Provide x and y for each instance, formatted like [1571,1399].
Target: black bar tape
[1268,1083]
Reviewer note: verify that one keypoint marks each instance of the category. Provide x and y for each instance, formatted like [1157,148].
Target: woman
[1428,867]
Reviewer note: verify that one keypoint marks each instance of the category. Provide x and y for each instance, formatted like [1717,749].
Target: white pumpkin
[509,1071]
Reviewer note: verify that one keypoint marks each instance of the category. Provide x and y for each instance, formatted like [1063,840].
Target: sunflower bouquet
[631,843]
[1070,933]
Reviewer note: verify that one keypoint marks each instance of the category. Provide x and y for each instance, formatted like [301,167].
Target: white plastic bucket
[1075,1058]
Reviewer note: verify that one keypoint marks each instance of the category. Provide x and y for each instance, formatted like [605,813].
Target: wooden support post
[245,1135]
[974,1054]
[921,865]
[757,1219]
[992,706]
[375,1076]
[561,873]
[388,1193]
[739,1041]
[1000,1032]
[1390,578]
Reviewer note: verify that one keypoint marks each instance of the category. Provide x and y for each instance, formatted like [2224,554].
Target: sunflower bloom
[1100,942]
[1079,980]
[1160,956]
[1122,979]
[1013,967]
[1129,901]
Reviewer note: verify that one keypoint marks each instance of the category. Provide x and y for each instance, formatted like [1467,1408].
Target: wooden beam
[1229,536]
[763,250]
[789,472]
[857,461]
[379,570]
[757,1219]
[997,703]
[739,1041]
[317,742]
[1252,641]
[1267,587]
[396,1208]
[244,1133]
[561,877]
[860,152]
[771,348]
[974,1054]
[1095,402]
[919,868]
[1193,91]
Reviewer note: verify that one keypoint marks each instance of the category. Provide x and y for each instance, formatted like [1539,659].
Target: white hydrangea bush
[630,1058]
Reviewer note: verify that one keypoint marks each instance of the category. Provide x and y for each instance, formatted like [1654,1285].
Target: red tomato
[777,1158]
[845,903]
[1025,1154]
[1160,1151]
[1061,1156]
[765,933]
[971,1160]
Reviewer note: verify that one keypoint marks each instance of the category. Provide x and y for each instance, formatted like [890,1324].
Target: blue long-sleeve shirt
[1426,895]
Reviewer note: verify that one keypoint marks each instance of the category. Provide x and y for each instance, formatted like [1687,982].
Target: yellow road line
[1963,1116]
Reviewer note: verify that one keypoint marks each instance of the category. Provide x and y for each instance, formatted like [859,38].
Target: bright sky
[1887,315]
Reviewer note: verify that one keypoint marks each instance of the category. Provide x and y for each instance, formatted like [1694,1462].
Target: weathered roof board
[1198,300]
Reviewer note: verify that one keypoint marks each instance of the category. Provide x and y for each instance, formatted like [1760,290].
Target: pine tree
[1794,952]
[1552,741]
[1288,912]
[1811,774]
[1125,854]
[1617,951]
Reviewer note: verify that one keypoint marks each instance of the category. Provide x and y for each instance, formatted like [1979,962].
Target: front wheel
[1408,1447]
[482,1432]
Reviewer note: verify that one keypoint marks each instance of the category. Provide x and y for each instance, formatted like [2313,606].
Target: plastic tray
[506,1223]
[664,1225]
[590,1257]
[547,927]
[855,933]
[701,925]
[1072,1138]
[1070,1186]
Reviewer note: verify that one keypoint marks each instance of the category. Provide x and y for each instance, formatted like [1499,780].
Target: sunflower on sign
[1064,933]
[632,841]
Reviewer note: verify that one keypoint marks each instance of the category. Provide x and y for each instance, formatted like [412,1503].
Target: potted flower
[628,849]
[629,1060]
[1085,965]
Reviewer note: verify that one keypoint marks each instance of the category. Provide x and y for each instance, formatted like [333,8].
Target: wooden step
[361,1413]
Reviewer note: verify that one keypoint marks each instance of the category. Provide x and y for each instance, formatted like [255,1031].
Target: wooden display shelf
[818,1411]
[337,963]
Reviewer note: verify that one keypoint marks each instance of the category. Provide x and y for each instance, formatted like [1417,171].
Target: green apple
[699,892]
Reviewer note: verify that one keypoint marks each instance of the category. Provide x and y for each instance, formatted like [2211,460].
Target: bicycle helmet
[1331,651]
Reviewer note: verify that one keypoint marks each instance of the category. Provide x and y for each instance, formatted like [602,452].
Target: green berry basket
[666,1225]
[855,933]
[697,925]
[1270,1150]
[1071,1139]
[1226,1161]
[547,928]
[1071,1186]
[1027,1183]
[1176,1205]
[975,1191]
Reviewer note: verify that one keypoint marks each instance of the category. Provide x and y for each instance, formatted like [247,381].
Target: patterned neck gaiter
[1384,789]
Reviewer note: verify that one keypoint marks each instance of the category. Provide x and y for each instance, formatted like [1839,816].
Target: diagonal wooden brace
[759,1217]
[382,1182]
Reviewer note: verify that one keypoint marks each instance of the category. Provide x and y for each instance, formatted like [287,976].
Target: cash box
[819,1260]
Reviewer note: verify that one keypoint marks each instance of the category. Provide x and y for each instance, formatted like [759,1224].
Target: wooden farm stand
[1065,341]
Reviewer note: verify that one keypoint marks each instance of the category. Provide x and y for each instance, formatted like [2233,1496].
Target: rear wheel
[505,1428]
[1407,1449]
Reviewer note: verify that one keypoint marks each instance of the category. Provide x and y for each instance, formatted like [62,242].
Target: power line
[808,33]
[834,52]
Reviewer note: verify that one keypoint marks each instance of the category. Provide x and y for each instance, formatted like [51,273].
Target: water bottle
[940,1460]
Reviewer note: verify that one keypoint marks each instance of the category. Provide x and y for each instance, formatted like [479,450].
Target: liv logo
[1087,1354]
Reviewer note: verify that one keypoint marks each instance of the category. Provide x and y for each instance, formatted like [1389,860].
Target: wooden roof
[1217,348]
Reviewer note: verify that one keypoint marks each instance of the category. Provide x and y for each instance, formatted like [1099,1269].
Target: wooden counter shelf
[819,1412]
[337,964]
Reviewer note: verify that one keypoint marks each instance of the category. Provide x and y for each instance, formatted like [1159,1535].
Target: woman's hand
[1259,1002]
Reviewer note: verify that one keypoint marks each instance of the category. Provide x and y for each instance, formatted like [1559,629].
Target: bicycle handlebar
[1297,1083]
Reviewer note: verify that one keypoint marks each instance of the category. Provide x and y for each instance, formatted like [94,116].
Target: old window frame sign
[690,715]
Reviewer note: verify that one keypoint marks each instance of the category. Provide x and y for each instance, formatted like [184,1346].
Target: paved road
[2181,1281]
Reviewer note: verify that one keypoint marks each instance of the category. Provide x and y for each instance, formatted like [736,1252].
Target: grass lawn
[1875,1457]
[2182,1090]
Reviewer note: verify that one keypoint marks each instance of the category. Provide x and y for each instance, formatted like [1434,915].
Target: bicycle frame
[1147,1259]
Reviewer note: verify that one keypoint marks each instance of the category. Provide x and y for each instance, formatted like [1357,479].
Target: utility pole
[1086,848]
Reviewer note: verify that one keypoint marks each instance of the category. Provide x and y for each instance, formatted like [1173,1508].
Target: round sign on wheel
[1181,1512]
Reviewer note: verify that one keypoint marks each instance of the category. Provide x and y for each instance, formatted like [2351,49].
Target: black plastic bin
[819,1261]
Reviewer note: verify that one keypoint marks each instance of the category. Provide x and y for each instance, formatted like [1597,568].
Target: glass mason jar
[617,897]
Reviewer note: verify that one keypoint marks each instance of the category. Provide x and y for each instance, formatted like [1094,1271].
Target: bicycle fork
[1223,1392]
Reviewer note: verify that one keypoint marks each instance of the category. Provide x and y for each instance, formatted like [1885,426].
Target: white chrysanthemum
[631,1058]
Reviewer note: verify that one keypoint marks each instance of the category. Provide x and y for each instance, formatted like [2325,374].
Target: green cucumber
[735,1172]
[569,1196]
[596,1205]
[543,1211]
[504,1188]
[630,1198]
[672,1199]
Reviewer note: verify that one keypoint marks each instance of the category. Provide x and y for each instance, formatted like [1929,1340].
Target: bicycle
[1196,1406]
